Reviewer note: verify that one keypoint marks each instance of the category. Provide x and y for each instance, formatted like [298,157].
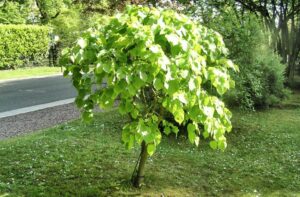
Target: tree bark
[138,179]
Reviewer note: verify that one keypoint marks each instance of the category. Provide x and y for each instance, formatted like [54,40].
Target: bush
[23,44]
[260,82]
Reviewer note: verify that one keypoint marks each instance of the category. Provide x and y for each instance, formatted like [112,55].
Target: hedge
[23,45]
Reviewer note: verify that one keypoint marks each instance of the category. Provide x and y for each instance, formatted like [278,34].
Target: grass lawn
[28,72]
[75,159]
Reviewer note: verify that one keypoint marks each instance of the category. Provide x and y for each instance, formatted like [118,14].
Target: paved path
[30,92]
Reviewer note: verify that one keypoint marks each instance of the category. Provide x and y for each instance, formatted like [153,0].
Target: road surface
[30,92]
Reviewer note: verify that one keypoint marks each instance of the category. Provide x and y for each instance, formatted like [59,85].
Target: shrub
[22,44]
[260,82]
[154,61]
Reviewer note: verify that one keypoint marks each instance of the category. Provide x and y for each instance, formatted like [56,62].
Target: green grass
[28,72]
[75,159]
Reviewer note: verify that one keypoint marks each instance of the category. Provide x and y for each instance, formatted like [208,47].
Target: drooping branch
[56,15]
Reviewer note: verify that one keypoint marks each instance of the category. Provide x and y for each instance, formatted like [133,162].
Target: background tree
[49,9]
[13,12]
[156,63]
[282,17]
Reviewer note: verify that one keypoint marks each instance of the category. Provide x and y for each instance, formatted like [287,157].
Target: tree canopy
[156,62]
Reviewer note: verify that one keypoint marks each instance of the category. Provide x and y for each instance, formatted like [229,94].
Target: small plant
[156,62]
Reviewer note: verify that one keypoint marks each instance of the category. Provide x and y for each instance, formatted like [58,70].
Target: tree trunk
[293,59]
[138,178]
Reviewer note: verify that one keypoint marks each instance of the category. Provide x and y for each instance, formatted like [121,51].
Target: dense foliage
[22,44]
[154,60]
[11,13]
[261,80]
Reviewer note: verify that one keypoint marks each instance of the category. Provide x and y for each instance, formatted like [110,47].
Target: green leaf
[82,43]
[87,115]
[181,97]
[172,86]
[154,118]
[158,84]
[66,73]
[179,116]
[143,76]
[151,149]
[130,143]
[164,62]
[155,49]
[175,129]
[173,39]
[222,144]
[191,132]
[134,113]
[213,145]
[184,45]
[167,130]
[126,133]
[192,85]
[205,134]
[107,67]
[138,82]
[197,140]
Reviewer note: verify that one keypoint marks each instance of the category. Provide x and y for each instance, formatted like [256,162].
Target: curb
[35,108]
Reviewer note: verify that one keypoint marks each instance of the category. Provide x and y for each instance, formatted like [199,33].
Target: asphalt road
[30,92]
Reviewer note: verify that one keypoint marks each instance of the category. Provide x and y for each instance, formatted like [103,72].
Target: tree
[157,63]
[282,17]
[32,11]
[12,13]
[50,9]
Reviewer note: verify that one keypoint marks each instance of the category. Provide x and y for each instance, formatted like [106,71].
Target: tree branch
[252,6]
[294,12]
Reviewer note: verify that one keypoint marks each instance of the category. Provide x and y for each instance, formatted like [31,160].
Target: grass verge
[76,159]
[28,72]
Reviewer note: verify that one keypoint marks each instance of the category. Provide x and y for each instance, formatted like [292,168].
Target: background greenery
[22,45]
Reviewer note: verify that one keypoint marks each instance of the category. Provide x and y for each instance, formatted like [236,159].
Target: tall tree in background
[282,17]
[13,12]
[48,9]
[31,11]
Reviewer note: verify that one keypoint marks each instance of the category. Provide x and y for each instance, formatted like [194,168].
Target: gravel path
[29,122]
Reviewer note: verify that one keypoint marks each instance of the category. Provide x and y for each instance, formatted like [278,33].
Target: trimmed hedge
[22,45]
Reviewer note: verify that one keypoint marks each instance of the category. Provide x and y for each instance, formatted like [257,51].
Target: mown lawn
[28,72]
[75,159]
